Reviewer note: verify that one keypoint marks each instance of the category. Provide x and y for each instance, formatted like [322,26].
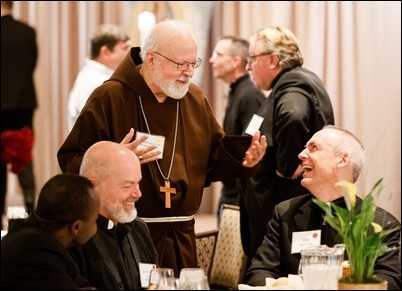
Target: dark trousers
[16,119]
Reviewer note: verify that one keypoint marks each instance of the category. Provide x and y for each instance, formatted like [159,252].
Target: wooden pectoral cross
[167,191]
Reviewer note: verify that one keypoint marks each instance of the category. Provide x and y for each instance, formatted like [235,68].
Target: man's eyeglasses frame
[251,58]
[182,66]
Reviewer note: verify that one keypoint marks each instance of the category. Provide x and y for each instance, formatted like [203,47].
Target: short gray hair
[281,42]
[239,47]
[351,144]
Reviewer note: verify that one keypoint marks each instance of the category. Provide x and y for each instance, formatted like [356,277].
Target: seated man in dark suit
[33,253]
[122,249]
[331,155]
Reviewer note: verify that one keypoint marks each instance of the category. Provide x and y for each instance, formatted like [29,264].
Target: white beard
[170,87]
[119,214]
[125,217]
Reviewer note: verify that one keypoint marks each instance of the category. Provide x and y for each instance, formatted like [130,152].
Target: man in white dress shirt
[109,45]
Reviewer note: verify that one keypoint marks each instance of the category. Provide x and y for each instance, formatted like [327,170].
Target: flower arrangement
[360,234]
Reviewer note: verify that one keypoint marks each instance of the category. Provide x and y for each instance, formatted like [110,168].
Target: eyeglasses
[251,59]
[183,66]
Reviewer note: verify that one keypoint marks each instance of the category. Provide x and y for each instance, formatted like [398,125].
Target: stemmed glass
[170,283]
[160,278]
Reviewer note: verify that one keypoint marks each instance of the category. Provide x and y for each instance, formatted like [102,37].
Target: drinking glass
[195,283]
[159,277]
[169,283]
[188,273]
[193,279]
[321,267]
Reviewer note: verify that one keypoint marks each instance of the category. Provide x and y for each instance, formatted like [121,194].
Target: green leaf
[363,242]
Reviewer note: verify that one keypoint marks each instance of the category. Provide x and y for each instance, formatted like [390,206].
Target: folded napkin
[292,282]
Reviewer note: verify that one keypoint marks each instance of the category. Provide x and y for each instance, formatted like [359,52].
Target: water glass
[195,283]
[192,278]
[159,277]
[169,283]
[321,267]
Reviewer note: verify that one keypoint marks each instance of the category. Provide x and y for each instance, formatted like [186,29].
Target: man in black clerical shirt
[122,246]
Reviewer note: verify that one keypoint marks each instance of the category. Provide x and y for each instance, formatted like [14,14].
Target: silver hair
[351,144]
[162,33]
[281,42]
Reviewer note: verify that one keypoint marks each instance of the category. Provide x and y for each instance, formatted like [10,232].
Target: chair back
[229,261]
[206,242]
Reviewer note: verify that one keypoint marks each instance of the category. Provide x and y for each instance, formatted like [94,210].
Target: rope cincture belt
[167,219]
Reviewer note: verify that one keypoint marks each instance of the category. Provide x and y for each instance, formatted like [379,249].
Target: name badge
[304,239]
[145,272]
[254,124]
[157,140]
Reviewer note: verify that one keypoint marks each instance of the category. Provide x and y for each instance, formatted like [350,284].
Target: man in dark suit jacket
[18,98]
[297,106]
[229,61]
[33,253]
[331,155]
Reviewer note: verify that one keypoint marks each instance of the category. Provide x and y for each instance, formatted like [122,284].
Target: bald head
[103,157]
[116,173]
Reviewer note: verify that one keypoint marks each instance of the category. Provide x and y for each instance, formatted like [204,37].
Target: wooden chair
[229,260]
[206,242]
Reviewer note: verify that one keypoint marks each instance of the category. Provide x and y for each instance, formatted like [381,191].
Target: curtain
[354,46]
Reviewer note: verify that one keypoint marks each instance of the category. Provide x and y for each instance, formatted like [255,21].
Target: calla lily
[377,228]
[359,233]
[350,191]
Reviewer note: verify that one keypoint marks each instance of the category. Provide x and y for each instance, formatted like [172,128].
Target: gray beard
[121,216]
[169,87]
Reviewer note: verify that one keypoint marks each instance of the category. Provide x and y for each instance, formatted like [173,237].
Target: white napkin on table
[295,282]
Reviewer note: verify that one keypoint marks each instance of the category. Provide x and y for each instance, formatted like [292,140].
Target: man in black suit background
[18,99]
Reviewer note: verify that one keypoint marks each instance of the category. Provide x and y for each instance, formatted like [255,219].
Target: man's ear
[150,59]
[237,60]
[93,181]
[342,160]
[274,61]
[75,227]
[104,51]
